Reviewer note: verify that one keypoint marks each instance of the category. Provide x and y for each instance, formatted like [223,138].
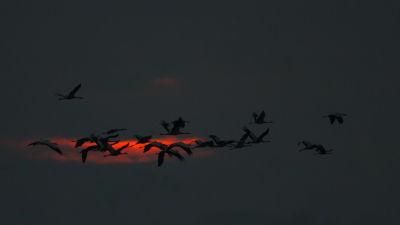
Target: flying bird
[113,131]
[155,144]
[142,139]
[201,144]
[307,145]
[175,130]
[259,119]
[82,141]
[71,95]
[337,116]
[253,137]
[321,150]
[49,144]
[220,143]
[179,122]
[181,145]
[114,152]
[170,153]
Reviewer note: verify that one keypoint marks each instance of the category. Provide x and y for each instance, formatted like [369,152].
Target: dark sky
[213,63]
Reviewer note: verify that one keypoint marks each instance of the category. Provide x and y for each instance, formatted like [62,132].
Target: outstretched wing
[215,138]
[81,141]
[52,146]
[263,135]
[123,147]
[251,134]
[154,144]
[160,158]
[176,153]
[72,93]
[261,117]
[165,125]
[255,116]
[244,137]
[84,155]
[183,146]
[332,118]
[340,119]
[34,143]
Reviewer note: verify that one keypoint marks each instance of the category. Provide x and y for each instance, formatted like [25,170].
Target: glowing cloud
[135,153]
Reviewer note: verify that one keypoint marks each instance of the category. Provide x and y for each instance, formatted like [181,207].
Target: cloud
[135,154]
[166,82]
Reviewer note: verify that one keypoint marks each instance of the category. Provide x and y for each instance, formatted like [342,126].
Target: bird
[254,138]
[219,143]
[84,152]
[259,119]
[179,122]
[182,145]
[155,144]
[174,131]
[307,144]
[171,153]
[142,139]
[321,150]
[113,131]
[201,144]
[71,95]
[49,144]
[334,116]
[95,139]
[240,144]
[82,141]
[114,152]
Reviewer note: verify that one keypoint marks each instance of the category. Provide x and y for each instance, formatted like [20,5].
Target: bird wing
[251,134]
[123,147]
[183,146]
[305,143]
[179,122]
[320,148]
[255,116]
[34,143]
[160,158]
[340,119]
[138,137]
[244,137]
[84,155]
[81,141]
[215,138]
[52,146]
[176,128]
[100,145]
[165,125]
[154,144]
[262,135]
[108,147]
[332,118]
[261,117]
[176,153]
[72,93]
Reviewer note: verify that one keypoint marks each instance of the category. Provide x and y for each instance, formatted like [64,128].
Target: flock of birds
[104,144]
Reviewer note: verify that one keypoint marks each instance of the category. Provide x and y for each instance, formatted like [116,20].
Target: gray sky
[213,63]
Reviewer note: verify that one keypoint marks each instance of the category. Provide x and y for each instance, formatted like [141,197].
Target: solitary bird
[254,138]
[113,131]
[321,150]
[259,119]
[71,95]
[49,144]
[307,145]
[201,144]
[174,131]
[337,116]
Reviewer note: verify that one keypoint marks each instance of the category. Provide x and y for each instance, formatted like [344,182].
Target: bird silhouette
[49,144]
[334,116]
[71,95]
[259,119]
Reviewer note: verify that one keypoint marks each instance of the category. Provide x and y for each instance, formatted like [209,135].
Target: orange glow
[135,154]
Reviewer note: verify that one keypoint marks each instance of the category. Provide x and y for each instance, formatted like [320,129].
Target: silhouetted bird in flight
[307,145]
[321,150]
[82,141]
[181,145]
[337,116]
[259,119]
[201,144]
[84,152]
[114,152]
[220,143]
[49,144]
[113,131]
[71,95]
[175,130]
[179,122]
[164,149]
[142,139]
[241,143]
[254,138]
[155,144]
